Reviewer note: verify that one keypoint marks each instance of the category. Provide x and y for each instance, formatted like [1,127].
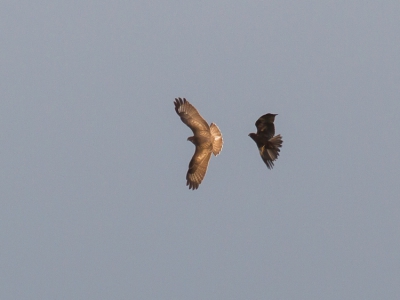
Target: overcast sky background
[93,156]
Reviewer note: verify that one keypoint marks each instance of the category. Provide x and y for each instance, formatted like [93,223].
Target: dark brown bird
[206,138]
[267,143]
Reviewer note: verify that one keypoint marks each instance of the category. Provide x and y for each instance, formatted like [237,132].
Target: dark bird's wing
[270,150]
[190,116]
[265,125]
[198,167]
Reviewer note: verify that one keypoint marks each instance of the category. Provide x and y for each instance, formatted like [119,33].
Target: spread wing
[190,116]
[265,125]
[198,167]
[270,150]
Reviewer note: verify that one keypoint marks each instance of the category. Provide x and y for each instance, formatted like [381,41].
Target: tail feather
[277,142]
[218,140]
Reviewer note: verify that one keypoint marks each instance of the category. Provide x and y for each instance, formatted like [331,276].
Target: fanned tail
[218,140]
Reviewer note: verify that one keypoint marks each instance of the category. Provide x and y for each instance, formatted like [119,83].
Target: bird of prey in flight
[267,143]
[206,138]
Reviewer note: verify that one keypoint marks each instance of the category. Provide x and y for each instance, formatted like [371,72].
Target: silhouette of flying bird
[206,138]
[267,143]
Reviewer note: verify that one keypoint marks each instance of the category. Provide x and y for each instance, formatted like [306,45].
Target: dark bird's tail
[270,151]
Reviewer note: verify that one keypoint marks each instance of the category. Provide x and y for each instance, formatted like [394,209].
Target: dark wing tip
[179,102]
[267,160]
[269,164]
[192,185]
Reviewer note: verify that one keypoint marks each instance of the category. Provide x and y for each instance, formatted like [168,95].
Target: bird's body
[206,138]
[268,144]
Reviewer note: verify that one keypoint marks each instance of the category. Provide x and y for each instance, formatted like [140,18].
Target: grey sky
[93,156]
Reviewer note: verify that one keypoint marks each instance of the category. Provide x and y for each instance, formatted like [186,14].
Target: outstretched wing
[198,167]
[190,116]
[270,150]
[265,125]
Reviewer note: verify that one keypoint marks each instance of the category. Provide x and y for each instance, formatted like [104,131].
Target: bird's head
[191,139]
[253,135]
